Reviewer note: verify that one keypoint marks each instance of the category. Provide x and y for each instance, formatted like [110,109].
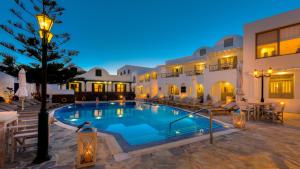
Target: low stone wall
[63,98]
[104,96]
[2,142]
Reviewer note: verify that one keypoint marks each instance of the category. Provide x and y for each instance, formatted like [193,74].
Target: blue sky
[112,33]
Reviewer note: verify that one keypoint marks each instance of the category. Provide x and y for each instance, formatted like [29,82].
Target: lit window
[177,70]
[199,68]
[147,78]
[173,90]
[228,63]
[200,91]
[281,86]
[120,87]
[98,87]
[74,86]
[290,40]
[267,44]
[154,75]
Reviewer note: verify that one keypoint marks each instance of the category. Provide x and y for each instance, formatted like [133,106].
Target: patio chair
[21,138]
[249,110]
[276,112]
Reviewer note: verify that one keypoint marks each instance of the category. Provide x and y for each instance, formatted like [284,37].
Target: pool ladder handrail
[198,111]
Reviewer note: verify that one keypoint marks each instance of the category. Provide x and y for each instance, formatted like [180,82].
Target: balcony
[194,72]
[168,75]
[220,67]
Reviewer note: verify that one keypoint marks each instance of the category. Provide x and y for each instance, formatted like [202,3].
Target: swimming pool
[135,124]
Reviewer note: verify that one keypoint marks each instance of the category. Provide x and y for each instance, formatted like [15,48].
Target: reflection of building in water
[154,108]
[120,112]
[77,115]
[175,112]
[98,114]
[139,106]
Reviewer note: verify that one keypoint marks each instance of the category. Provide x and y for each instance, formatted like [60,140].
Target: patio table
[258,107]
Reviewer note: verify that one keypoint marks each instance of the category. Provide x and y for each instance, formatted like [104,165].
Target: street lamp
[261,74]
[45,23]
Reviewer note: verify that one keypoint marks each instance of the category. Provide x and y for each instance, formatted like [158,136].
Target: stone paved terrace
[262,145]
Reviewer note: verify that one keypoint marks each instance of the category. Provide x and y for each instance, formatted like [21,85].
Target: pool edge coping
[119,154]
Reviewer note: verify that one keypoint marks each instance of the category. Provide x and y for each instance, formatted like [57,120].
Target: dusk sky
[112,33]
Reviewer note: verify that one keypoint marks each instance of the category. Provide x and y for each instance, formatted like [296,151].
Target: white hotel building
[274,42]
[209,71]
[225,71]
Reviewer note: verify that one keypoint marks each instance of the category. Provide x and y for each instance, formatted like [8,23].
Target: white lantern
[239,120]
[86,147]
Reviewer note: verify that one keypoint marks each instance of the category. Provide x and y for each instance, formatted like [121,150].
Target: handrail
[210,121]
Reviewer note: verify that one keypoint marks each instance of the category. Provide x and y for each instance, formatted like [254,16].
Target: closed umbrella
[240,92]
[22,91]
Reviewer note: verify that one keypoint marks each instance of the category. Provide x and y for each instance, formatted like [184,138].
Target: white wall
[287,63]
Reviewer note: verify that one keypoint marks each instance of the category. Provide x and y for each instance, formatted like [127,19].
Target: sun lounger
[8,107]
[225,109]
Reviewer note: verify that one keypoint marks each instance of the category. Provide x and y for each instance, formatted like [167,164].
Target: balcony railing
[217,67]
[194,72]
[167,75]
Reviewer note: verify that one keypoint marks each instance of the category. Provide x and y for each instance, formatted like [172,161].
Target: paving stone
[261,145]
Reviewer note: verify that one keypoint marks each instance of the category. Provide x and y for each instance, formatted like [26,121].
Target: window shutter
[79,87]
[93,87]
[234,61]
[124,87]
[219,64]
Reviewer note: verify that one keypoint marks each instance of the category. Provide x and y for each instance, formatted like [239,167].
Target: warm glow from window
[200,90]
[173,90]
[98,87]
[290,46]
[154,75]
[74,86]
[267,50]
[281,86]
[228,62]
[120,87]
[147,77]
[177,70]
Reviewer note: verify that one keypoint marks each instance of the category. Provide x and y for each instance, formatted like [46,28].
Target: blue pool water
[135,123]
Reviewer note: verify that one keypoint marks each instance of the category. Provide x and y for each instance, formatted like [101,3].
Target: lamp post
[45,23]
[262,75]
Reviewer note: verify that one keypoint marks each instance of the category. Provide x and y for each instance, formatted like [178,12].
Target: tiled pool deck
[261,145]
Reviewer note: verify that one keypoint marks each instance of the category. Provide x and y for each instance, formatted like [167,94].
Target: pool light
[191,116]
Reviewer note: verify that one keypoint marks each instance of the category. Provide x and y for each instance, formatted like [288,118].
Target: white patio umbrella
[22,91]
